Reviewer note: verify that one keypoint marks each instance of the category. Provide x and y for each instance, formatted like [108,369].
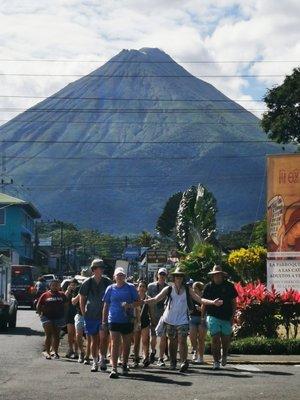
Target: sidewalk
[260,359]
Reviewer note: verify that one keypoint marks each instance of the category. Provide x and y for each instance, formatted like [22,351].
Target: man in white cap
[220,319]
[154,289]
[91,294]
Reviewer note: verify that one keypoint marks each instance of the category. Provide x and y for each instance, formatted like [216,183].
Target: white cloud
[191,30]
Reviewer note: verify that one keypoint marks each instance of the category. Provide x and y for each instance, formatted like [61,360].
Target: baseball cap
[119,271]
[162,271]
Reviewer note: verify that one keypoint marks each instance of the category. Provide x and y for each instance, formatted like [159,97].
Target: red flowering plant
[257,310]
[290,311]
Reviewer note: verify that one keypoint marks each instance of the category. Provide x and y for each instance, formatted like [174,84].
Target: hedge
[261,345]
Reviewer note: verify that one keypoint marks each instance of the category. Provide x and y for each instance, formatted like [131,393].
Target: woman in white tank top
[176,316]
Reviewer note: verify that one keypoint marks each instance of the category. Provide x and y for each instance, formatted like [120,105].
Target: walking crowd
[104,319]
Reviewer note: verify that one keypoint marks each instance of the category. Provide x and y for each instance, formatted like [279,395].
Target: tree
[282,120]
[167,221]
[200,261]
[196,217]
[145,239]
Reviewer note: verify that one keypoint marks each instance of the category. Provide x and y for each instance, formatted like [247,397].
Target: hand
[218,302]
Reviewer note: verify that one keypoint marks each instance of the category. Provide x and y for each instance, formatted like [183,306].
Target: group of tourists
[115,315]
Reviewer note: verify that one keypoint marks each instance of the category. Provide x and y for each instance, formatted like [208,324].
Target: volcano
[110,148]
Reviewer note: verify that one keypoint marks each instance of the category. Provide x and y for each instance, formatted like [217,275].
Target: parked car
[49,278]
[23,284]
[8,303]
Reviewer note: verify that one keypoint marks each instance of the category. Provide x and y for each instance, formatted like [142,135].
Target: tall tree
[196,218]
[167,221]
[282,120]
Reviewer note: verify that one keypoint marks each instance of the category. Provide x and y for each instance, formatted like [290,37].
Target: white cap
[119,271]
[162,271]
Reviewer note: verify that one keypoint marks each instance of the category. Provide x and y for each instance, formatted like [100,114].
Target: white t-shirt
[176,312]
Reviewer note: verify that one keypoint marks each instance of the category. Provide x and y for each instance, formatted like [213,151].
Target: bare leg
[95,346]
[183,348]
[162,346]
[225,340]
[88,347]
[137,343]
[79,339]
[173,344]
[48,328]
[55,342]
[103,339]
[216,347]
[126,347]
[201,341]
[194,337]
[145,341]
[115,338]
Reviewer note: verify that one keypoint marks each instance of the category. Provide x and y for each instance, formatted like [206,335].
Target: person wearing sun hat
[90,299]
[176,315]
[220,319]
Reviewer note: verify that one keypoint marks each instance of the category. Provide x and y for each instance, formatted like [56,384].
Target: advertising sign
[283,274]
[283,202]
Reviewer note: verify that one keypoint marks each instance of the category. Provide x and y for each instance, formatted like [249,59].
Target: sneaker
[94,367]
[195,356]
[146,362]
[125,369]
[120,362]
[161,363]
[199,360]
[74,356]
[102,365]
[86,361]
[184,366]
[80,358]
[69,354]
[55,356]
[114,374]
[136,362]
[216,365]
[152,357]
[224,361]
[48,357]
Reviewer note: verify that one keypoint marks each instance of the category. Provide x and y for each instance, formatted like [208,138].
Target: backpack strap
[169,297]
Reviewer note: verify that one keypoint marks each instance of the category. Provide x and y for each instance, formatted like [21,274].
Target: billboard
[283,221]
[283,201]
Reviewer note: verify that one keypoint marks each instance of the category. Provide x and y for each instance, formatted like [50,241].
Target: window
[2,216]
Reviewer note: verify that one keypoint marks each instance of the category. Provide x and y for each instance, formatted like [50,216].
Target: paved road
[24,374]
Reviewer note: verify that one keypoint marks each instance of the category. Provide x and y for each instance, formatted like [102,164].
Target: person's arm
[201,300]
[105,313]
[75,300]
[162,295]
[82,303]
[40,305]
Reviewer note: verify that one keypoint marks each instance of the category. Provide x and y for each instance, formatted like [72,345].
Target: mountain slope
[121,184]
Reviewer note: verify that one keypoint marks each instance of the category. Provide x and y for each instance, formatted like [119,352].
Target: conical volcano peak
[145,54]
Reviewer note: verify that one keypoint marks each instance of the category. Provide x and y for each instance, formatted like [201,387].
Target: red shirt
[53,304]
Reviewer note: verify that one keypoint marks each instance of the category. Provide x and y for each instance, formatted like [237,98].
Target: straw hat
[178,271]
[217,269]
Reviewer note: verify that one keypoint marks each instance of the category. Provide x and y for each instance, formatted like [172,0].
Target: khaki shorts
[173,330]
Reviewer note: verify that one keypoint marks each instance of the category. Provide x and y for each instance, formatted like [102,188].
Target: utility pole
[61,224]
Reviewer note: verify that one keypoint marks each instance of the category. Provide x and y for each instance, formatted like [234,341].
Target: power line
[91,75]
[128,99]
[127,110]
[163,158]
[150,62]
[129,122]
[133,141]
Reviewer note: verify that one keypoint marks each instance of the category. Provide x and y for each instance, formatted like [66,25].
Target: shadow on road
[156,378]
[21,331]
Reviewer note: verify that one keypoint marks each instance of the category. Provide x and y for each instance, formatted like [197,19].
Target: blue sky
[191,30]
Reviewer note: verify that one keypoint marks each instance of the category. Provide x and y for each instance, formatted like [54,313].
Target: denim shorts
[58,322]
[92,326]
[218,326]
[79,323]
[195,320]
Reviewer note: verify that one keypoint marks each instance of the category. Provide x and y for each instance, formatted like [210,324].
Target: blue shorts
[58,322]
[195,320]
[92,326]
[218,326]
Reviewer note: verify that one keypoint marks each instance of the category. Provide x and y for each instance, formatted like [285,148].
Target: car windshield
[21,277]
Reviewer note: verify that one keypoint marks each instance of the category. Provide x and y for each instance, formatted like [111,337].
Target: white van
[8,303]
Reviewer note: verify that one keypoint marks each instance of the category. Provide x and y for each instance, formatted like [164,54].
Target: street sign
[156,257]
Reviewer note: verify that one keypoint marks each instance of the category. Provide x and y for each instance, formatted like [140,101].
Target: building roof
[5,199]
